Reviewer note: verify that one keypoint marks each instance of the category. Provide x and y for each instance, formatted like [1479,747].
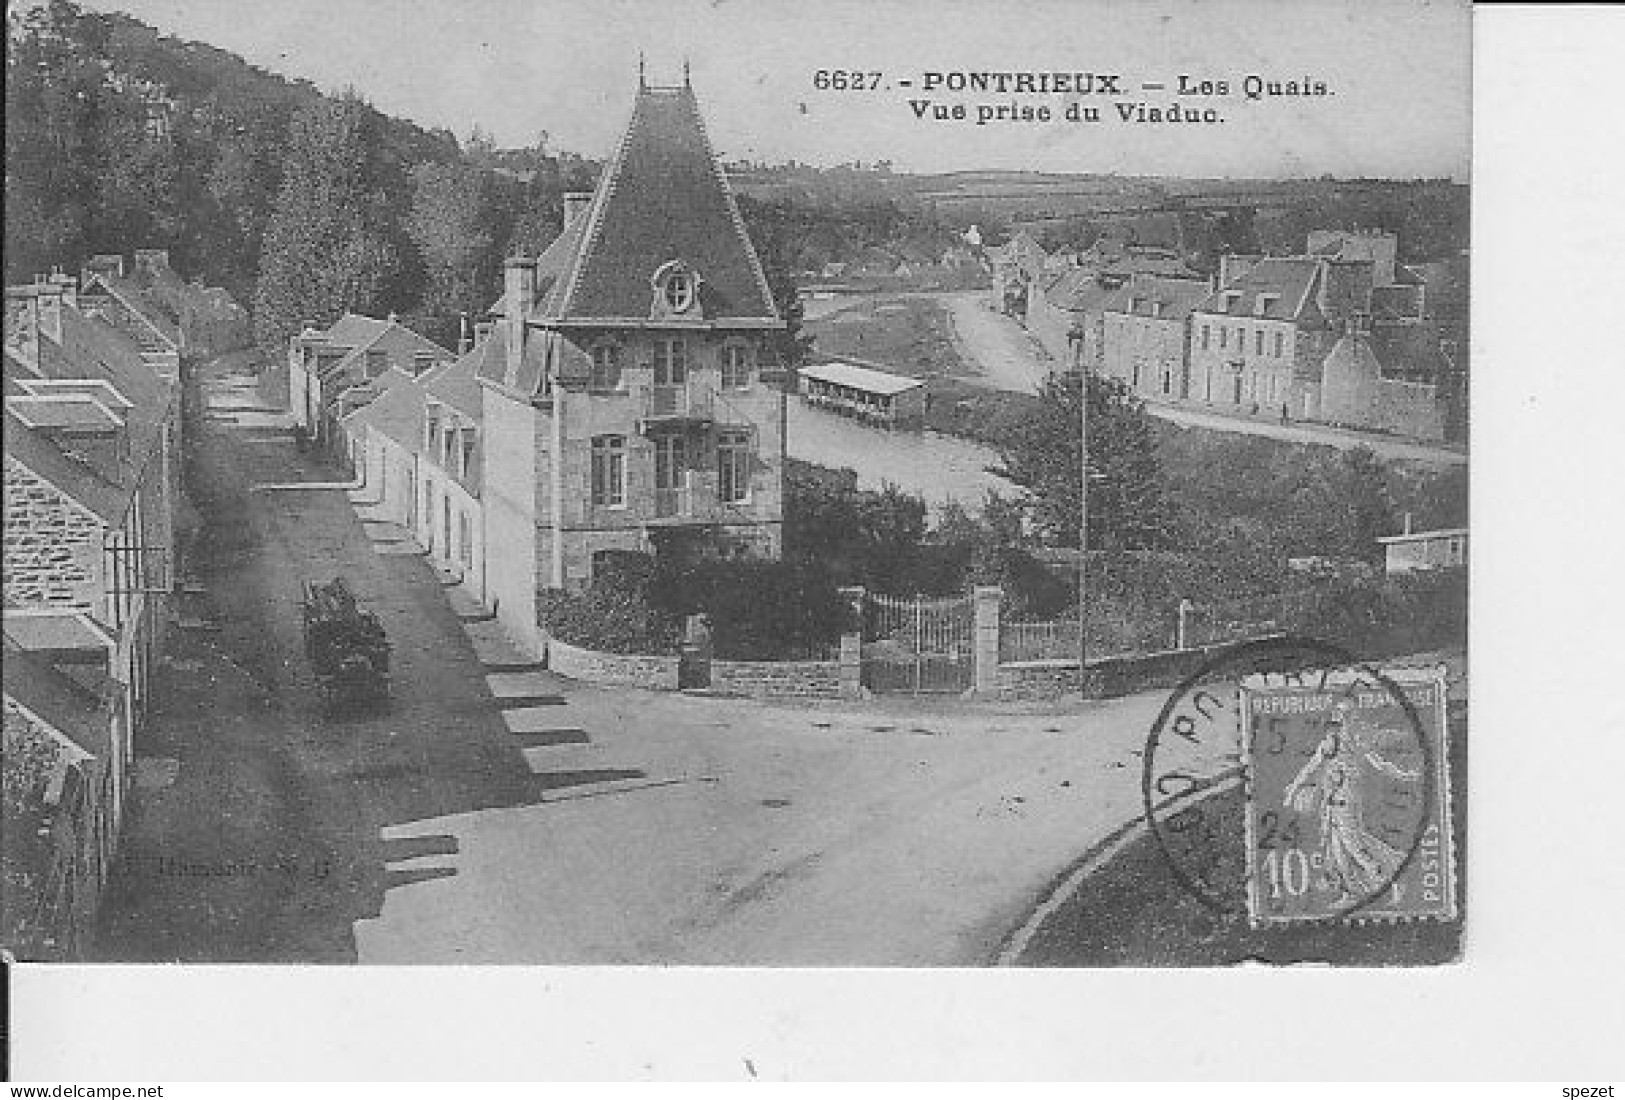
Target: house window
[432,430]
[679,291]
[733,467]
[1224,337]
[735,367]
[609,471]
[1206,333]
[1258,342]
[1279,342]
[468,452]
[669,457]
[671,361]
[606,367]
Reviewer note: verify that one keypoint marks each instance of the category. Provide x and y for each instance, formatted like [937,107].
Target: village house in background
[626,396]
[96,524]
[336,370]
[1343,334]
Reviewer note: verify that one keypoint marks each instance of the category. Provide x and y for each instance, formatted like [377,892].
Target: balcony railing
[685,402]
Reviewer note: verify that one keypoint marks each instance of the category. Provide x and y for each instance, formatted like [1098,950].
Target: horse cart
[346,646]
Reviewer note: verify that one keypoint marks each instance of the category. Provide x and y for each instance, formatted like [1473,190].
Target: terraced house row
[1342,334]
[622,395]
[95,530]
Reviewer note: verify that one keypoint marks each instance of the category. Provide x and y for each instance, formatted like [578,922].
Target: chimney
[1407,523]
[149,261]
[48,301]
[520,282]
[68,286]
[22,327]
[575,205]
[464,343]
[105,263]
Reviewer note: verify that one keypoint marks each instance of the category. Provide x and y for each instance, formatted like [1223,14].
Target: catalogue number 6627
[846,80]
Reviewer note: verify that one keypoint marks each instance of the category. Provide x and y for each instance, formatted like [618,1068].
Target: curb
[1072,879]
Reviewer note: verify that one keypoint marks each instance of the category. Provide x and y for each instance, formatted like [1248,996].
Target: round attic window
[679,291]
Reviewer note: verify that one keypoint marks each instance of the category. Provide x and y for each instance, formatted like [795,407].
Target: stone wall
[1106,678]
[799,679]
[615,669]
[53,548]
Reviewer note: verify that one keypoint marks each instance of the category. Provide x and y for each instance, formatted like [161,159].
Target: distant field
[906,334]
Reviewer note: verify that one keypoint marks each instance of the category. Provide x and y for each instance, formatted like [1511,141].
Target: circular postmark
[1336,771]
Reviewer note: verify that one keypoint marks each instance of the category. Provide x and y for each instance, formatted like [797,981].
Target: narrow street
[260,843]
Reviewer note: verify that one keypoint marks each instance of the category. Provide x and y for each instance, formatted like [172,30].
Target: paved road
[767,835]
[1383,446]
[1011,359]
[266,846]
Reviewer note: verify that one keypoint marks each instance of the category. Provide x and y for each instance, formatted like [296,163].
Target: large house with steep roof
[633,400]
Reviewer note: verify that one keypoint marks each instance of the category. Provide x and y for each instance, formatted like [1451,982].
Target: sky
[1398,71]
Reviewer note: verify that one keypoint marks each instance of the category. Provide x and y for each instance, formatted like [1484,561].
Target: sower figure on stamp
[1352,860]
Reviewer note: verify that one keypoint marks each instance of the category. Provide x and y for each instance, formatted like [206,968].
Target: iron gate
[918,644]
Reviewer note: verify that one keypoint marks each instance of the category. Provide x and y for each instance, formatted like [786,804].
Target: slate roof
[396,413]
[663,197]
[398,342]
[131,293]
[1178,297]
[457,383]
[353,329]
[1077,289]
[60,702]
[92,348]
[1408,350]
[1291,279]
[861,378]
[40,454]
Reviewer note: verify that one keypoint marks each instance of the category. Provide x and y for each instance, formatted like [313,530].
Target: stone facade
[53,547]
[633,401]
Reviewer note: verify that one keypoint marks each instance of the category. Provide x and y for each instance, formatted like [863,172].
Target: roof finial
[641,84]
[686,84]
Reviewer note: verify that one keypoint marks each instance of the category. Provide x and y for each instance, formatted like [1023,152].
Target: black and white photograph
[522,483]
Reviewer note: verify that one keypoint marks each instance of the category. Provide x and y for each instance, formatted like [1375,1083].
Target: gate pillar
[851,653]
[986,640]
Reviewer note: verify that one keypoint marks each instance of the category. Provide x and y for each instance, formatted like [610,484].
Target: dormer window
[676,289]
[679,291]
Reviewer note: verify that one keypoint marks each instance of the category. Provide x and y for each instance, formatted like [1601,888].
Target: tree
[326,247]
[1127,507]
[446,223]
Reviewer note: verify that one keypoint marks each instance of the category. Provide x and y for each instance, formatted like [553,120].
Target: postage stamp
[1343,769]
[1348,796]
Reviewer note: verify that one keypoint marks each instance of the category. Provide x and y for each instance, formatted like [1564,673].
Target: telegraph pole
[1083,518]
